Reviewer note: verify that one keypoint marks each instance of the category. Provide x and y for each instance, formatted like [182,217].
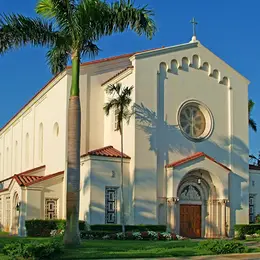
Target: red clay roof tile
[254,167]
[117,74]
[193,157]
[68,67]
[108,151]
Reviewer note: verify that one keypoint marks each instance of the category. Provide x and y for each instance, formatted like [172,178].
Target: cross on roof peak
[194,24]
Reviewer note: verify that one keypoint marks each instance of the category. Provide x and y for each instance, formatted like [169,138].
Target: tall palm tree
[120,102]
[70,28]
[251,121]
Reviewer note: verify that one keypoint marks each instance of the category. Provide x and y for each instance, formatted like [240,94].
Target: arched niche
[174,66]
[216,74]
[206,67]
[195,61]
[225,81]
[185,64]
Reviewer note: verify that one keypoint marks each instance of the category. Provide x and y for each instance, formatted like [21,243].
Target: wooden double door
[190,220]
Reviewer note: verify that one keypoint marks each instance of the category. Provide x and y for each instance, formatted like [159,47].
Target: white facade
[169,170]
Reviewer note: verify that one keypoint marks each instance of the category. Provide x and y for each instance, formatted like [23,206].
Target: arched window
[205,67]
[41,143]
[56,129]
[195,61]
[215,74]
[225,81]
[27,151]
[16,156]
[174,66]
[185,63]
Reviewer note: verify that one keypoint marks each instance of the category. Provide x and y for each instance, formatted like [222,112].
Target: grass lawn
[121,249]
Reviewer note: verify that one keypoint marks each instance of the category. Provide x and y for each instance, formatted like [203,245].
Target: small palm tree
[251,121]
[69,28]
[120,103]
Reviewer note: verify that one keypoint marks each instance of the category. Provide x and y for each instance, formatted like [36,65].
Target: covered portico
[27,196]
[197,195]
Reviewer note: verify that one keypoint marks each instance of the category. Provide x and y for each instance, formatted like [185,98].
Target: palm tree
[251,121]
[120,103]
[69,28]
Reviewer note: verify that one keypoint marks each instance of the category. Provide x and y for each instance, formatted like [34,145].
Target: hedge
[248,229]
[42,228]
[118,228]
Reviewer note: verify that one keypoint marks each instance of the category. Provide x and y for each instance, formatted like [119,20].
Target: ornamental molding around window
[195,120]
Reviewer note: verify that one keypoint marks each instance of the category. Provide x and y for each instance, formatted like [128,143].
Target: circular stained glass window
[195,120]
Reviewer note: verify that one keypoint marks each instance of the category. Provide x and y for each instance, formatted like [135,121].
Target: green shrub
[222,246]
[33,250]
[137,228]
[249,229]
[43,228]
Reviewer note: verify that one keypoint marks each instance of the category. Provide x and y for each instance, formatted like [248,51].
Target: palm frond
[120,103]
[125,15]
[45,8]
[91,17]
[57,58]
[113,89]
[62,12]
[252,124]
[17,31]
[251,121]
[112,104]
[90,49]
[251,105]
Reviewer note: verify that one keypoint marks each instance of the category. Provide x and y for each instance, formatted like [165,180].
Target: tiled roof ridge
[193,157]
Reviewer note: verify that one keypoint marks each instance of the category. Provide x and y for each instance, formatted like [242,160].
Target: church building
[186,149]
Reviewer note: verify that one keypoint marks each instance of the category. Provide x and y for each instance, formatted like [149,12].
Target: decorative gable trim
[119,76]
[193,157]
[107,151]
[164,50]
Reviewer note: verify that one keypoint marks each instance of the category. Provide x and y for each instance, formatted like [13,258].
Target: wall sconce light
[199,181]
[18,206]
[113,174]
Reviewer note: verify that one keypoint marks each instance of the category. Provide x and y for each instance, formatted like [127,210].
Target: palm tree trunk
[122,208]
[72,236]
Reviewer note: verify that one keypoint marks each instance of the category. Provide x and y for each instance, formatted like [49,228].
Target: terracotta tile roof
[23,180]
[254,167]
[25,172]
[108,151]
[193,157]
[120,72]
[28,180]
[83,64]
[44,178]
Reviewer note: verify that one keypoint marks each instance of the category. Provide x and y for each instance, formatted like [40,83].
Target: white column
[175,215]
[169,214]
[223,217]
[22,214]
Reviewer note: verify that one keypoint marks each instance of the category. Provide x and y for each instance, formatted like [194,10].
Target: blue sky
[228,28]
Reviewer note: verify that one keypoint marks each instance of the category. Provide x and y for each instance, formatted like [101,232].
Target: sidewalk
[252,256]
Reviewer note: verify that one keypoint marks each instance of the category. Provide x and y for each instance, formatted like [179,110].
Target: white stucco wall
[112,137]
[101,177]
[175,89]
[254,181]
[92,101]
[85,189]
[23,154]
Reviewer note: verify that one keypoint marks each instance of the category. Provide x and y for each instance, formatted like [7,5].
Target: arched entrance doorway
[195,191]
[15,214]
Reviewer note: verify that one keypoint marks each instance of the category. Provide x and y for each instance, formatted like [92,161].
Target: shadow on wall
[165,139]
[102,177]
